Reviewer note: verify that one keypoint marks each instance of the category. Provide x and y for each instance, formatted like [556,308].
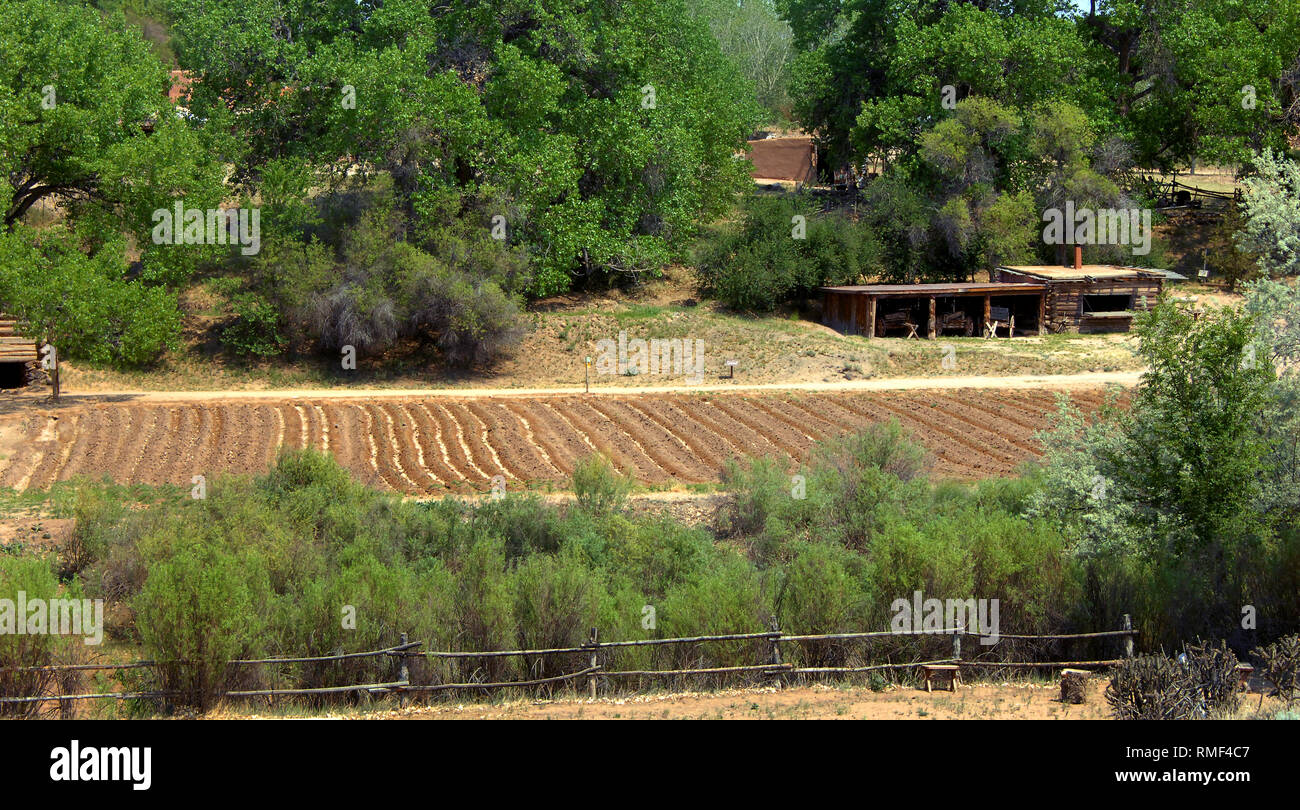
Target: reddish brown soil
[442,445]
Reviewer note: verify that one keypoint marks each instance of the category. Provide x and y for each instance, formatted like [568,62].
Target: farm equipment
[999,318]
[901,320]
[958,322]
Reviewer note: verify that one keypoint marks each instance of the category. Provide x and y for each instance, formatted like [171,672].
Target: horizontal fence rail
[406,650]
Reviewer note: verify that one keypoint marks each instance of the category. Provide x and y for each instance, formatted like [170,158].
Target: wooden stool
[1244,672]
[951,672]
[1074,684]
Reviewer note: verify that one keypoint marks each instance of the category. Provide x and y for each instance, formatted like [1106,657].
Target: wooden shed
[1090,297]
[986,309]
[18,355]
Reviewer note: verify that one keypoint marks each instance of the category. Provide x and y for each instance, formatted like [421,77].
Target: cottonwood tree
[610,129]
[97,137]
[82,305]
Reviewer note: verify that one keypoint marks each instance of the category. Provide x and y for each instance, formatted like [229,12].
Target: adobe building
[789,159]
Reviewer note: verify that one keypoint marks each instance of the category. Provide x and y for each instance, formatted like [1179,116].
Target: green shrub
[821,593]
[256,328]
[762,264]
[31,576]
[598,486]
[198,610]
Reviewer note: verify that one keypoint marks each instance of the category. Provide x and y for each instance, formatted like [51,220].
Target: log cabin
[1089,297]
[19,357]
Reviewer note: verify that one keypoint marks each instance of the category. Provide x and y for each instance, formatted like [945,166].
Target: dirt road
[1013,382]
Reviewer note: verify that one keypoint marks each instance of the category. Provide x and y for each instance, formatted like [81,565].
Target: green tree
[97,136]
[82,305]
[1209,79]
[1272,213]
[607,131]
[760,44]
[1195,454]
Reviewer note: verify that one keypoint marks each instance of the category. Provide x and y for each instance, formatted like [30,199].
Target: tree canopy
[600,133]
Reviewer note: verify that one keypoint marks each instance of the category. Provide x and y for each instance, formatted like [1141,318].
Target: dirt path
[1026,381]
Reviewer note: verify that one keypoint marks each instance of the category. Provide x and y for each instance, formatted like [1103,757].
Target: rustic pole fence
[776,668]
[595,650]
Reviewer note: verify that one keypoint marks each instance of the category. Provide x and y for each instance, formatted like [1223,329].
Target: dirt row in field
[440,445]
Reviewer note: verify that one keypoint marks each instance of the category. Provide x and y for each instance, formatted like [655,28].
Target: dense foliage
[784,248]
[1210,79]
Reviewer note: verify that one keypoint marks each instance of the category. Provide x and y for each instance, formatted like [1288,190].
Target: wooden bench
[949,672]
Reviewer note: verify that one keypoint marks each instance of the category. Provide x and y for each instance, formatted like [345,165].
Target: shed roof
[1055,272]
[994,288]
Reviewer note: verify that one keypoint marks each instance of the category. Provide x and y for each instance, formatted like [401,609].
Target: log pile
[14,348]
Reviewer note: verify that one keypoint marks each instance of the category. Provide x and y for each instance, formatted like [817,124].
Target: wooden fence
[1172,194]
[772,670]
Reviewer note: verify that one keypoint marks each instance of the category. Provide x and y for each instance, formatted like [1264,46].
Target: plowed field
[437,445]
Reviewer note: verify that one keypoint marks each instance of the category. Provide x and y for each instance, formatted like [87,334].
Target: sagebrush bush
[598,486]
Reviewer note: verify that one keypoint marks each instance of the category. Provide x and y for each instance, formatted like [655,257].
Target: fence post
[591,679]
[956,642]
[1128,639]
[403,675]
[774,652]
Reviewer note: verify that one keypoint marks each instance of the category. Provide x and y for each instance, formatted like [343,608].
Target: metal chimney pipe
[1078,257]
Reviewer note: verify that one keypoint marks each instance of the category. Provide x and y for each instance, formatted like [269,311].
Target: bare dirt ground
[560,332]
[439,445]
[981,701]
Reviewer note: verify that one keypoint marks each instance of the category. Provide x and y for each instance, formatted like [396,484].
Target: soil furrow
[664,446]
[435,450]
[457,445]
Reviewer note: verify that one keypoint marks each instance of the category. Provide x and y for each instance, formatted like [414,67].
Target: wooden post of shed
[871,316]
[988,315]
[1042,313]
[933,333]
